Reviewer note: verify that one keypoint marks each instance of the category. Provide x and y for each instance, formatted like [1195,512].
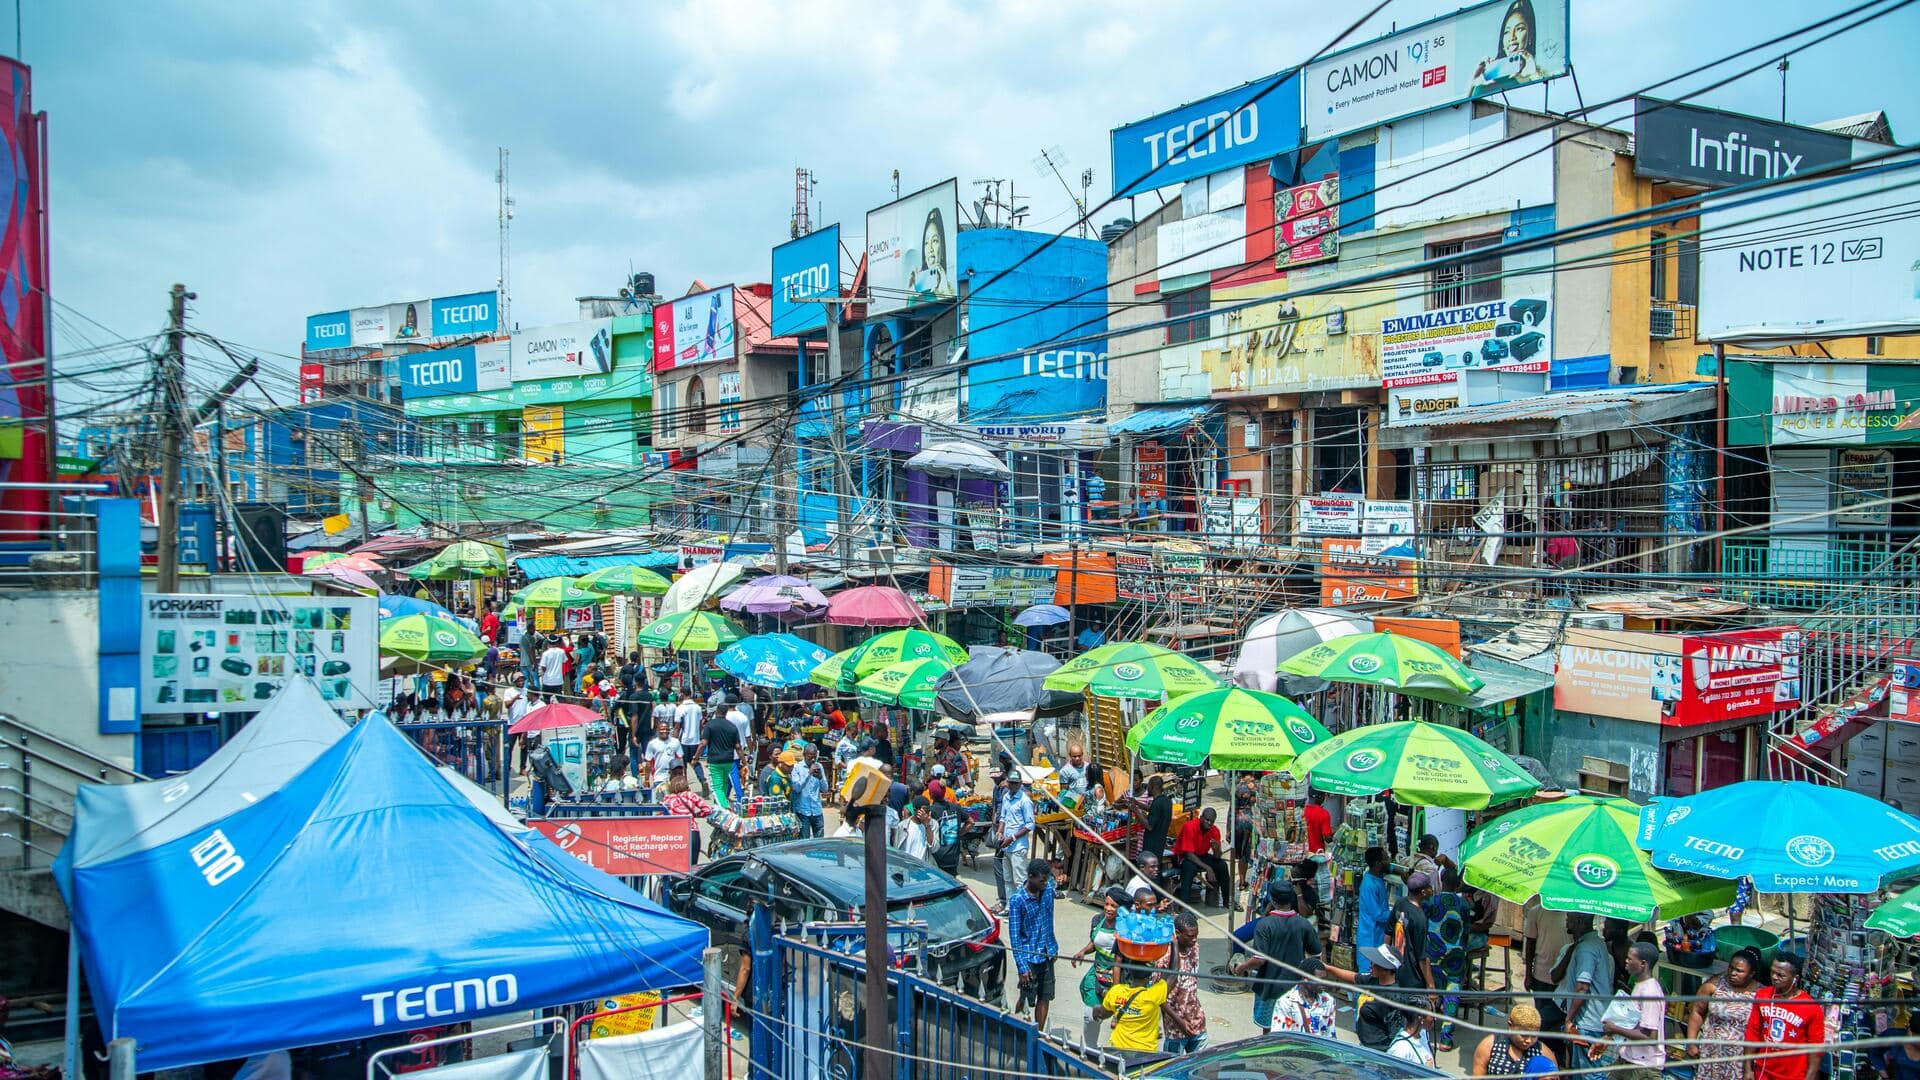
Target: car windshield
[952,916]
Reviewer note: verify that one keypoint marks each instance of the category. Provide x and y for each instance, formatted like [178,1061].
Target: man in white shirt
[913,832]
[663,754]
[553,669]
[1645,1043]
[689,718]
[742,723]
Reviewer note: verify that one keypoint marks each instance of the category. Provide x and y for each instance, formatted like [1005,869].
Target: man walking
[1586,982]
[722,743]
[1030,922]
[553,670]
[808,781]
[690,720]
[1183,1023]
[1289,939]
[1645,1047]
[1013,838]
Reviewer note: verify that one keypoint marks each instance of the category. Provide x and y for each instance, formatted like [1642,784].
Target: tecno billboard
[1475,52]
[1254,122]
[1833,257]
[466,369]
[696,329]
[1714,148]
[910,246]
[803,271]
[565,349]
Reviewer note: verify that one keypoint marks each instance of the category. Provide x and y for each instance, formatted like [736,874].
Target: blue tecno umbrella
[394,606]
[775,660]
[1042,615]
[1786,835]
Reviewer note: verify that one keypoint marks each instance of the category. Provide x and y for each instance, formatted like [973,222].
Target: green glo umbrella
[465,559]
[1423,764]
[1578,854]
[624,581]
[429,639]
[835,672]
[907,683]
[1133,669]
[557,592]
[320,559]
[693,631]
[1238,729]
[1899,916]
[895,645]
[1395,661]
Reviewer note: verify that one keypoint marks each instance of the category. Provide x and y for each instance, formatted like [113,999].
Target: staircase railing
[39,775]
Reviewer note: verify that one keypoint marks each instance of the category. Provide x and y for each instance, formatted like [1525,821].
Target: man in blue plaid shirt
[1030,925]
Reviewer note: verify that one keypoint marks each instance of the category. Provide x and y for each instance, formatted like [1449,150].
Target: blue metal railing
[1817,571]
[809,1020]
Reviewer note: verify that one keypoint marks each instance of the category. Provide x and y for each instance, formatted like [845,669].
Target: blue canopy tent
[366,896]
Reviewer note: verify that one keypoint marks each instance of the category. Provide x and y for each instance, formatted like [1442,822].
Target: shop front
[1171,459]
[976,487]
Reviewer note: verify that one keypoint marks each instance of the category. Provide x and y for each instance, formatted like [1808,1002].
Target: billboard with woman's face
[910,249]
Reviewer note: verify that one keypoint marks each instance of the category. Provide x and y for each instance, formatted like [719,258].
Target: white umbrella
[699,585]
[958,457]
[1274,638]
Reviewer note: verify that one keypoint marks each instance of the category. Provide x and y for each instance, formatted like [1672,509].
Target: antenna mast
[505,282]
[802,223]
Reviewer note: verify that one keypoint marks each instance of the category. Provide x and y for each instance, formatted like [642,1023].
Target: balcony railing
[1814,571]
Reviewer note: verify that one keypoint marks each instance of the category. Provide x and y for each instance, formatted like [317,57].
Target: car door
[719,901]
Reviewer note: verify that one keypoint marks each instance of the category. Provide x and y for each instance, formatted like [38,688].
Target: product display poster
[1436,346]
[218,653]
[561,350]
[695,329]
[910,245]
[1481,51]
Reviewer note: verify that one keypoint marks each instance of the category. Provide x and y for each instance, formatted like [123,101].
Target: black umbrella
[998,680]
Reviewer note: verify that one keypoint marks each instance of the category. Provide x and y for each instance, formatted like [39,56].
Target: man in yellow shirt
[1134,1001]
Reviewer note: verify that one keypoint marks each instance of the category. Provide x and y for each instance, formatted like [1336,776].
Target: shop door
[1801,492]
[943,518]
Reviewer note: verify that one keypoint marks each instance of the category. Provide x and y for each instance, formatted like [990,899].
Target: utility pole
[216,407]
[836,410]
[172,376]
[783,503]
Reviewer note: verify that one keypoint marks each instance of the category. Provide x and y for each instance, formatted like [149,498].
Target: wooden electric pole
[173,367]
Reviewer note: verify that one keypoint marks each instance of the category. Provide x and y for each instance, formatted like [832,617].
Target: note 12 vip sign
[1248,123]
[804,270]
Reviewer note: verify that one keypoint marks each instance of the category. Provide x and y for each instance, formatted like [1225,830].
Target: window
[1657,279]
[1689,293]
[1192,302]
[1475,281]
[1340,443]
[696,406]
[665,396]
[1876,346]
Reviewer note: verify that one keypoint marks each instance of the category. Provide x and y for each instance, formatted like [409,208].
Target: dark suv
[825,881]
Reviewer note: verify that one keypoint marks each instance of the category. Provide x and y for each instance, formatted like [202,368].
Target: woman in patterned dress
[1719,1020]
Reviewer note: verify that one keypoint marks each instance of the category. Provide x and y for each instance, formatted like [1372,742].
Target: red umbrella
[874,605]
[557,715]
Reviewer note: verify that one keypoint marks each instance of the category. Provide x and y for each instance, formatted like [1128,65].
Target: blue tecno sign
[802,270]
[441,371]
[474,313]
[1248,123]
[330,331]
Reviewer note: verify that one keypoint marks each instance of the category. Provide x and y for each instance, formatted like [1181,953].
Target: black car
[825,881]
[1285,1057]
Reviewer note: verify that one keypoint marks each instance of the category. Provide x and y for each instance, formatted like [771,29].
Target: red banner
[625,846]
[1309,223]
[313,378]
[1738,673]
[24,393]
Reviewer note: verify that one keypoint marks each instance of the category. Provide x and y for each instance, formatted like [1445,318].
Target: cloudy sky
[284,159]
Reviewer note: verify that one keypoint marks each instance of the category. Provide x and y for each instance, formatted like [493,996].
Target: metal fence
[1807,573]
[476,750]
[809,1015]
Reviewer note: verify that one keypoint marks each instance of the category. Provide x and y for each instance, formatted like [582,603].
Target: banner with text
[1435,346]
[1254,122]
[697,329]
[232,653]
[575,348]
[804,270]
[910,249]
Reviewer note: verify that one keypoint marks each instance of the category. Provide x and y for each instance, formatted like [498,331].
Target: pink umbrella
[874,605]
[363,562]
[557,715]
[346,575]
[776,595]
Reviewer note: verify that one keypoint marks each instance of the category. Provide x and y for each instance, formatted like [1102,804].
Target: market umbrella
[1899,916]
[1133,669]
[345,575]
[844,668]
[319,559]
[1382,658]
[697,586]
[463,559]
[776,595]
[691,631]
[906,683]
[427,639]
[873,605]
[996,679]
[557,592]
[1577,854]
[394,606]
[623,581]
[775,660]
[1424,765]
[836,671]
[1273,638]
[1787,835]
[1239,729]
[557,715]
[1043,615]
[365,563]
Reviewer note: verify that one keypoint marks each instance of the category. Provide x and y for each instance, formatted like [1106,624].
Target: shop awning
[1501,682]
[546,566]
[1558,415]
[1159,418]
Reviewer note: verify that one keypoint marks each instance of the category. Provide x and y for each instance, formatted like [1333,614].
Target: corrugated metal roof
[1564,413]
[1158,418]
[546,566]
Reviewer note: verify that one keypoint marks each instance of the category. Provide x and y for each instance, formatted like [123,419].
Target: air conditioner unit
[880,556]
[1660,323]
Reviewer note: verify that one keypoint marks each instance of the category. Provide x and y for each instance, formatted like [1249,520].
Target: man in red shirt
[1197,851]
[490,622]
[1319,822]
[1784,1014]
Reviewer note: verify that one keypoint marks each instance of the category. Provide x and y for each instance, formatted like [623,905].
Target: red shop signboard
[625,846]
[1738,673]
